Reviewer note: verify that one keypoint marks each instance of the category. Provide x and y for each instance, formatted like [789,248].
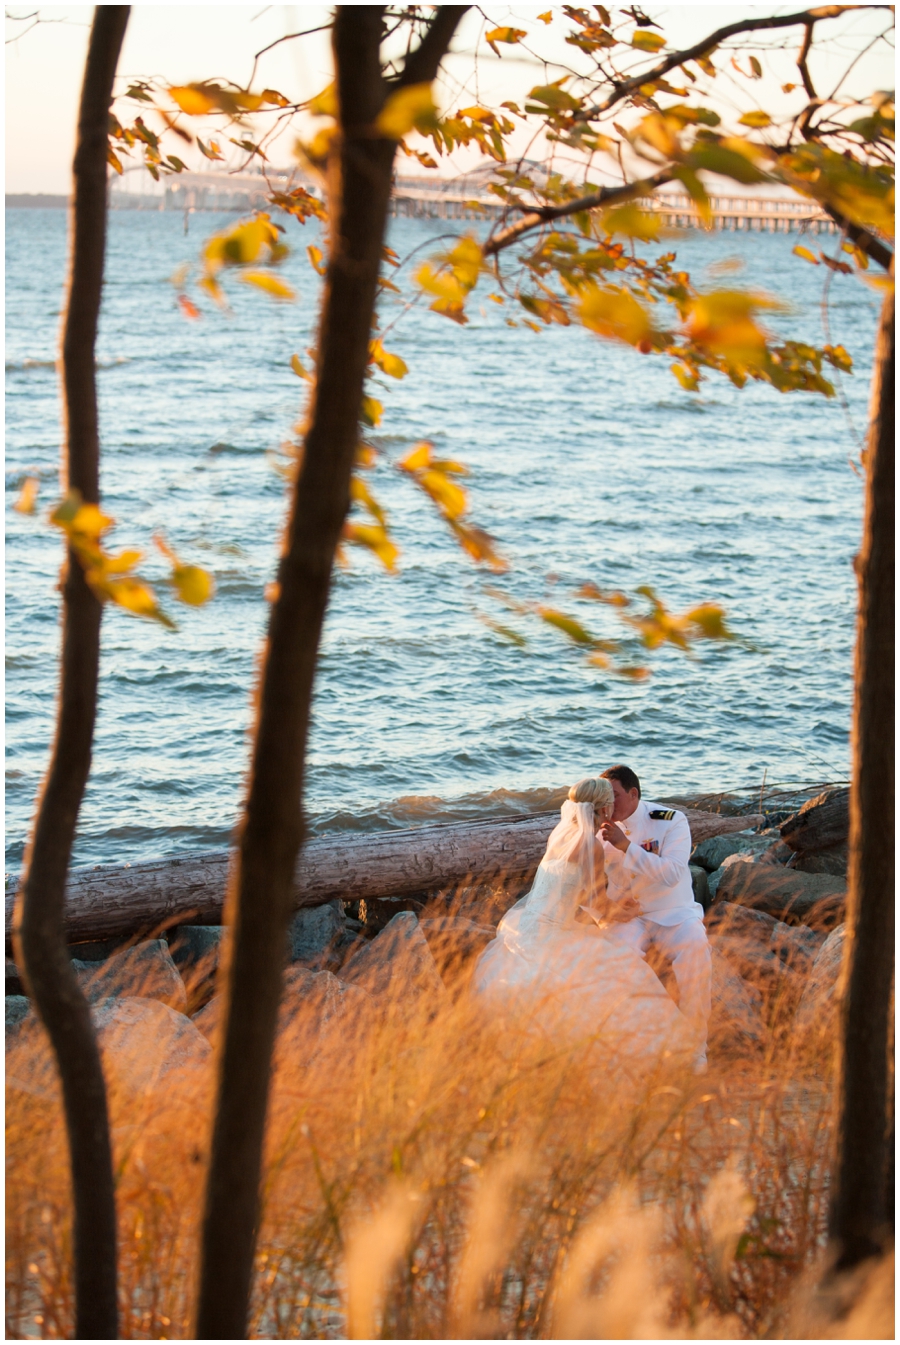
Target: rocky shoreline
[774,896]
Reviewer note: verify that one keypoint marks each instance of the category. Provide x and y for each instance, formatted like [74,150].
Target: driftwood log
[113,900]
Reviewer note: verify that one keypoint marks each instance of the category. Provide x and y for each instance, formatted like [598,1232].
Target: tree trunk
[260,895]
[858,1222]
[39,932]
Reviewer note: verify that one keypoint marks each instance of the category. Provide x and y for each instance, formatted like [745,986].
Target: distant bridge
[424,198]
[748,213]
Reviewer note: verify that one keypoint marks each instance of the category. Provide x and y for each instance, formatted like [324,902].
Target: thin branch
[422,65]
[864,240]
[288,37]
[679,58]
[606,196]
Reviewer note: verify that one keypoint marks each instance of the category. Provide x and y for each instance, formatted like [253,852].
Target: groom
[646,849]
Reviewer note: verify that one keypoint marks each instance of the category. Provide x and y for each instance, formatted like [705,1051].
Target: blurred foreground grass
[433,1172]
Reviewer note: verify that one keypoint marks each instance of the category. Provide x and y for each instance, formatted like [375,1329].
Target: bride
[564,978]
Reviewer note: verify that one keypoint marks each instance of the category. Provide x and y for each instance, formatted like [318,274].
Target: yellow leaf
[479,545]
[325,104]
[568,625]
[508,35]
[646,41]
[242,244]
[132,594]
[452,309]
[801,251]
[420,457]
[710,620]
[547,16]
[299,368]
[192,100]
[757,120]
[613,597]
[360,492]
[392,365]
[634,673]
[27,499]
[505,632]
[686,377]
[120,564]
[82,520]
[371,411]
[615,314]
[315,259]
[213,289]
[449,497]
[440,283]
[723,322]
[113,160]
[405,109]
[192,585]
[631,221]
[466,260]
[375,539]
[264,280]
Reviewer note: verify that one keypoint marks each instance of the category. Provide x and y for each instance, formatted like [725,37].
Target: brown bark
[260,895]
[39,933]
[858,1225]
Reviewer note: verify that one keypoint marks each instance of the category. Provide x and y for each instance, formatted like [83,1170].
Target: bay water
[588,462]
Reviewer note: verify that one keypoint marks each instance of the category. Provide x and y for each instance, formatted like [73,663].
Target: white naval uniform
[654,870]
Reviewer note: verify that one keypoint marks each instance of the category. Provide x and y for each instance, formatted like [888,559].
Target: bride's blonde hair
[595,790]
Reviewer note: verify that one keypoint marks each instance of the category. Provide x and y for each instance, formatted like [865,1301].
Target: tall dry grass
[432,1172]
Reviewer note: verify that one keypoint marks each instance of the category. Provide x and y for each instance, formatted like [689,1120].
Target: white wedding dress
[565,980]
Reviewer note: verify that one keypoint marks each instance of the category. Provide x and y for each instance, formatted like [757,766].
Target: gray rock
[798,946]
[147,1045]
[777,853]
[805,897]
[313,1005]
[13,980]
[711,853]
[821,823]
[835,861]
[17,1009]
[736,1018]
[752,959]
[727,917]
[313,932]
[400,957]
[192,946]
[454,939]
[817,1011]
[700,884]
[145,971]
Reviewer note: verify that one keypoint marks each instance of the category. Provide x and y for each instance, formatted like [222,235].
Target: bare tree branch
[679,58]
[606,196]
[421,66]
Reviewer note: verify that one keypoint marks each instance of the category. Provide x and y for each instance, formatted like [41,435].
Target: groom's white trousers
[687,947]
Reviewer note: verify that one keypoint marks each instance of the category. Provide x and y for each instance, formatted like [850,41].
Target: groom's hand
[615,836]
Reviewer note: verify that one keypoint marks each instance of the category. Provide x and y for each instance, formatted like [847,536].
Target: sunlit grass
[432,1172]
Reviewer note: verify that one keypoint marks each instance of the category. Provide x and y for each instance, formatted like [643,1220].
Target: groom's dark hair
[625,776]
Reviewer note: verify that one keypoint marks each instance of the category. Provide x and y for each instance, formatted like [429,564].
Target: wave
[417,810]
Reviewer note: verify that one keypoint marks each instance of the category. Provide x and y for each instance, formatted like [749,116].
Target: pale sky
[181,43]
